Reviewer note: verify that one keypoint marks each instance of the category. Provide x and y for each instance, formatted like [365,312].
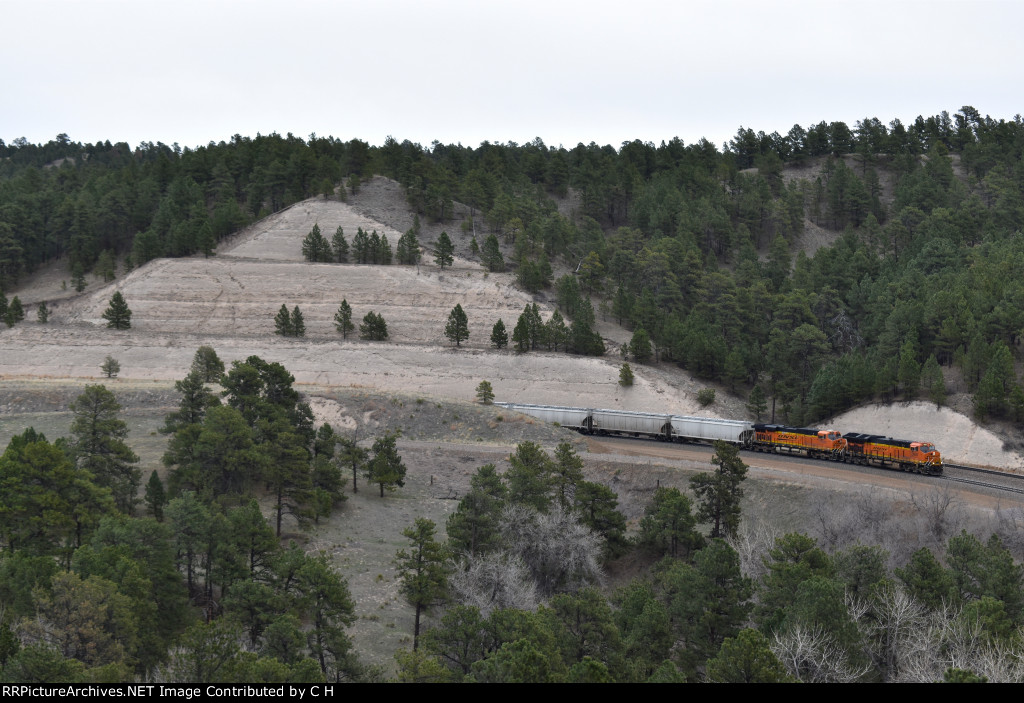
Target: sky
[466,71]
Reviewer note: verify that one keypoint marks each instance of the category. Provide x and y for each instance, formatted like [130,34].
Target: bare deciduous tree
[561,553]
[814,656]
[494,581]
[753,542]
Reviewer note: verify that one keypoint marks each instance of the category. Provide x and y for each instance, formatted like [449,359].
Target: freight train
[829,445]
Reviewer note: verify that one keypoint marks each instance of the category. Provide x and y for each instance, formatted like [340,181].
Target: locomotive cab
[929,456]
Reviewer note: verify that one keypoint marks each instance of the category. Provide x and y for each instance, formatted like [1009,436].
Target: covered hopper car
[677,428]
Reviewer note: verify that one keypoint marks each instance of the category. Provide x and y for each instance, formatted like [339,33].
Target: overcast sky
[473,70]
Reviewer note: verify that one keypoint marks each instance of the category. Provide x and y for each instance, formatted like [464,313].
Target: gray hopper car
[678,428]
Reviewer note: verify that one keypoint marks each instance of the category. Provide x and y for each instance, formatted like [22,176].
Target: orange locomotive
[902,454]
[817,444]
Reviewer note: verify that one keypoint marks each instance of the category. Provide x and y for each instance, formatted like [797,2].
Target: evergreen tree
[156,497]
[325,602]
[373,327]
[15,312]
[110,367]
[408,251]
[104,267]
[556,334]
[386,467]
[47,506]
[747,658]
[423,570]
[97,445]
[78,277]
[355,456]
[339,245]
[499,337]
[909,370]
[932,381]
[385,250]
[43,313]
[521,334]
[375,248]
[625,375]
[208,365]
[535,324]
[640,345]
[473,527]
[283,322]
[529,476]
[196,399]
[343,319]
[286,469]
[718,494]
[457,329]
[298,323]
[315,246]
[443,252]
[117,315]
[668,524]
[710,601]
[491,254]
[361,247]
[757,404]
[484,392]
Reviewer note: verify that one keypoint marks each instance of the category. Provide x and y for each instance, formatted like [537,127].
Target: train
[826,445]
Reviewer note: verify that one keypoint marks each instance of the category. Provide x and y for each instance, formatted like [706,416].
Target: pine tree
[932,381]
[15,312]
[457,329]
[385,250]
[640,345]
[375,250]
[443,253]
[207,364]
[97,444]
[110,367]
[298,323]
[521,334]
[117,315]
[343,319]
[373,327]
[484,393]
[78,277]
[315,247]
[283,322]
[43,313]
[340,245]
[556,334]
[408,251]
[719,493]
[491,254]
[423,570]
[156,497]
[499,337]
[386,468]
[535,324]
[104,267]
[361,247]
[625,375]
[757,404]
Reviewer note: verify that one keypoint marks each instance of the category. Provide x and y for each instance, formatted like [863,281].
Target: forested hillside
[699,248]
[215,569]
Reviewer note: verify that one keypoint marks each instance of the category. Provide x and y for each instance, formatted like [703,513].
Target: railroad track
[1013,478]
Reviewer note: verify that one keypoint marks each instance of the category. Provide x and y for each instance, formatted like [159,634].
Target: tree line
[691,243]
